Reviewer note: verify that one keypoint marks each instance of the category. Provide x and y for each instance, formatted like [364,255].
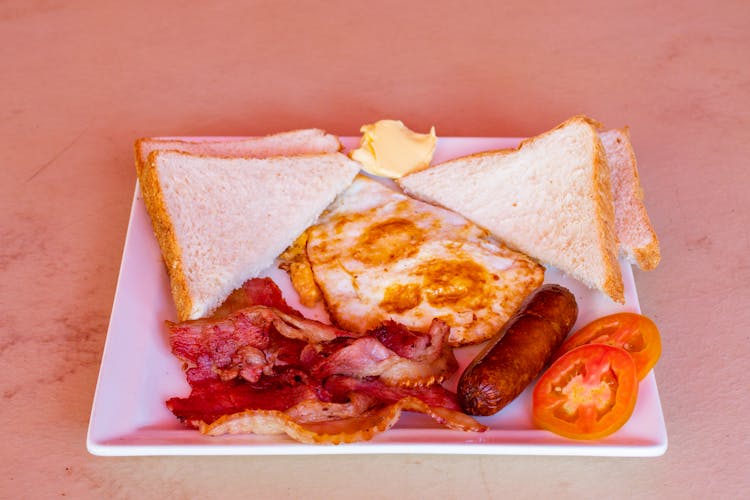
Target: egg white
[377,254]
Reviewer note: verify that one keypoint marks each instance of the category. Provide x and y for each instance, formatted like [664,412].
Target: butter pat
[389,149]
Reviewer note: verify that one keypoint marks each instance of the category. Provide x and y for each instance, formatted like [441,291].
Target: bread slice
[221,221]
[550,198]
[638,241]
[294,142]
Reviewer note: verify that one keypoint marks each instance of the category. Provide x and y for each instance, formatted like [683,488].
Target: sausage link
[519,352]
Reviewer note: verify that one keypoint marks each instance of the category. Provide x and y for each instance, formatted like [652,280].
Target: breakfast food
[403,280]
[516,356]
[389,149]
[638,241]
[263,368]
[591,388]
[294,262]
[550,198]
[221,221]
[377,254]
[635,333]
[391,352]
[295,142]
[347,429]
[588,393]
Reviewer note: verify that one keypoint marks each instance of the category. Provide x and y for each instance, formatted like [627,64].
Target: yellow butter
[389,149]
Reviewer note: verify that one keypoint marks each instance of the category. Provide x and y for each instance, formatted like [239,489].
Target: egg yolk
[388,242]
[460,282]
[400,298]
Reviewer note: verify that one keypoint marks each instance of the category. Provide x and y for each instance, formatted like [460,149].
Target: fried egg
[377,254]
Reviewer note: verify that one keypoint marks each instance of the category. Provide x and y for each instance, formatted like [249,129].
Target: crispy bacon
[210,399]
[249,327]
[364,357]
[265,368]
[429,360]
[311,331]
[246,343]
[255,292]
[250,342]
[360,427]
[359,408]
[424,359]
[340,387]
[406,343]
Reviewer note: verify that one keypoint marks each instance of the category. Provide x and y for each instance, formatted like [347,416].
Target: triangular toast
[221,221]
[550,198]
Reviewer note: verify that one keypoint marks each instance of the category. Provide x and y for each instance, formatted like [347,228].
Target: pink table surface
[79,81]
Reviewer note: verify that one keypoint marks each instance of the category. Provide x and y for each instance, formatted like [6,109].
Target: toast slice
[550,198]
[221,221]
[294,142]
[638,241]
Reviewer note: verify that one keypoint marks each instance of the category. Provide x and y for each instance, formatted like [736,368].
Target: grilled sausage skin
[519,352]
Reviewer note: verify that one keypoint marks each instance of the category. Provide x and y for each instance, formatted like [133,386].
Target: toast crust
[613,284]
[139,144]
[153,199]
[492,152]
[644,251]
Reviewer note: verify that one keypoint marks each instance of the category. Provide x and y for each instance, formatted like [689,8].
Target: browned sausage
[517,354]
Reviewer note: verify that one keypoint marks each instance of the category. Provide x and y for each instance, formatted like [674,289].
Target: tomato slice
[588,393]
[635,333]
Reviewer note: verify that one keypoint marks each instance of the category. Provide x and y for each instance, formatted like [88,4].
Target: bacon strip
[288,391]
[406,343]
[254,292]
[209,400]
[246,343]
[243,344]
[365,357]
[423,359]
[311,331]
[340,387]
[362,427]
[430,359]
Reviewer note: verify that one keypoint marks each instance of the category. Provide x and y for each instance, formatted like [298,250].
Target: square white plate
[138,374]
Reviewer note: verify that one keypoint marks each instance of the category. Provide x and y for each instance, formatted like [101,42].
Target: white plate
[138,374]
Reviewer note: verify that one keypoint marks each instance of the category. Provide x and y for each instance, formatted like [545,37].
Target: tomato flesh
[588,393]
[633,332]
